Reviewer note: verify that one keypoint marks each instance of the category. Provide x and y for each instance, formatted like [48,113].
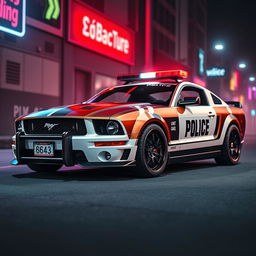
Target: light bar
[168,74]
[172,73]
[148,75]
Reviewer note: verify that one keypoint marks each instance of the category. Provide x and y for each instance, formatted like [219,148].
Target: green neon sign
[53,11]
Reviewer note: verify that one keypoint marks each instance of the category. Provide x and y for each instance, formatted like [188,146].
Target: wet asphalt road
[195,208]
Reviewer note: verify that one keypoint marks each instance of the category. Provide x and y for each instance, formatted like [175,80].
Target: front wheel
[152,152]
[44,167]
[231,150]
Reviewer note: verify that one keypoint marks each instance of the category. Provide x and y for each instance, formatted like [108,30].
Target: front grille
[30,153]
[55,126]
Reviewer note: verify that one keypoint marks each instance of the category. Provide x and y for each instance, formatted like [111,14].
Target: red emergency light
[177,75]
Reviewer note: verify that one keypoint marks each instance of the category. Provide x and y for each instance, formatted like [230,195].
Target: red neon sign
[90,29]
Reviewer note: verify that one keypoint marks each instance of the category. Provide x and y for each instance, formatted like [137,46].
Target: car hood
[93,110]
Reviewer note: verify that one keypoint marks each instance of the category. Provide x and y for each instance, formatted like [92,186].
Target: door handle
[211,115]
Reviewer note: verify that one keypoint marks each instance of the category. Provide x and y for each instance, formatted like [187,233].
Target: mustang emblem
[49,126]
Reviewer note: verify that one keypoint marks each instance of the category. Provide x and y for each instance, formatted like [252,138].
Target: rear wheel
[152,153]
[231,150]
[44,167]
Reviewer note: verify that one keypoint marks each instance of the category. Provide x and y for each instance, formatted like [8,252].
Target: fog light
[107,155]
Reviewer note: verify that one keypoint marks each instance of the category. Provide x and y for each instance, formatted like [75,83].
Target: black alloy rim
[234,145]
[154,150]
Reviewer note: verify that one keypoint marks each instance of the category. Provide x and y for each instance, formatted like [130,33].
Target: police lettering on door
[197,127]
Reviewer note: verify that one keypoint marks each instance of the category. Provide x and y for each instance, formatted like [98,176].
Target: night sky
[234,22]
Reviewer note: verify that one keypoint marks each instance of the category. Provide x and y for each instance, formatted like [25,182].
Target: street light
[251,78]
[219,46]
[242,65]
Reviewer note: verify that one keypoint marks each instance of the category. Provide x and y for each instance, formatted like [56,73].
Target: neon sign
[201,62]
[12,17]
[91,30]
[46,15]
[215,72]
[234,81]
[53,11]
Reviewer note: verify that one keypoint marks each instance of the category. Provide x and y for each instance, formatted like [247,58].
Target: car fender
[230,119]
[139,127]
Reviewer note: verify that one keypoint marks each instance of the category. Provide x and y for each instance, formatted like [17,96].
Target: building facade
[72,49]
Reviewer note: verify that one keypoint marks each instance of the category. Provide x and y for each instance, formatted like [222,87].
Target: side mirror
[189,101]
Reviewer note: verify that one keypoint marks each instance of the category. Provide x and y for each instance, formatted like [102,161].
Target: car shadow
[81,174]
[110,174]
[189,166]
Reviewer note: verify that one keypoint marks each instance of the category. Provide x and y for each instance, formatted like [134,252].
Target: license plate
[43,149]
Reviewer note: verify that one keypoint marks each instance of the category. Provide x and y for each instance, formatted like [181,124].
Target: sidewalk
[6,157]
[5,142]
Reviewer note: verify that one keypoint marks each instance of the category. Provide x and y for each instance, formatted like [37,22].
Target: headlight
[108,127]
[112,128]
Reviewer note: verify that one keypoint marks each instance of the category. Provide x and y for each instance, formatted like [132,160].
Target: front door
[197,122]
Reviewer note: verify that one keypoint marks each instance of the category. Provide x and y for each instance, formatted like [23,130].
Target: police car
[153,119]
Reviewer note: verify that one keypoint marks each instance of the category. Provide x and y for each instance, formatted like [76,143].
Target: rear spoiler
[236,104]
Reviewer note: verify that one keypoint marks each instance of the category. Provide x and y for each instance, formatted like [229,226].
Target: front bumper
[76,149]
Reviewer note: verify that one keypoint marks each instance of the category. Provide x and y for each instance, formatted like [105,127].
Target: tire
[231,150]
[152,152]
[44,167]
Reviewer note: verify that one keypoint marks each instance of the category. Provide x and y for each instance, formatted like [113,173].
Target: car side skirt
[194,154]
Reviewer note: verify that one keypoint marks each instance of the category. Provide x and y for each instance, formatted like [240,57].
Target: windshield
[159,94]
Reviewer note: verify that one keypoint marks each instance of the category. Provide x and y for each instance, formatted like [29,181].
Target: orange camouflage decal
[222,113]
[240,116]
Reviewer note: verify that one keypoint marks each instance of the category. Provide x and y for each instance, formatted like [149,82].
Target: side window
[216,100]
[193,92]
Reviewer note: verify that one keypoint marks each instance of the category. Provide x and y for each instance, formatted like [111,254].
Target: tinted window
[159,94]
[216,100]
[193,92]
